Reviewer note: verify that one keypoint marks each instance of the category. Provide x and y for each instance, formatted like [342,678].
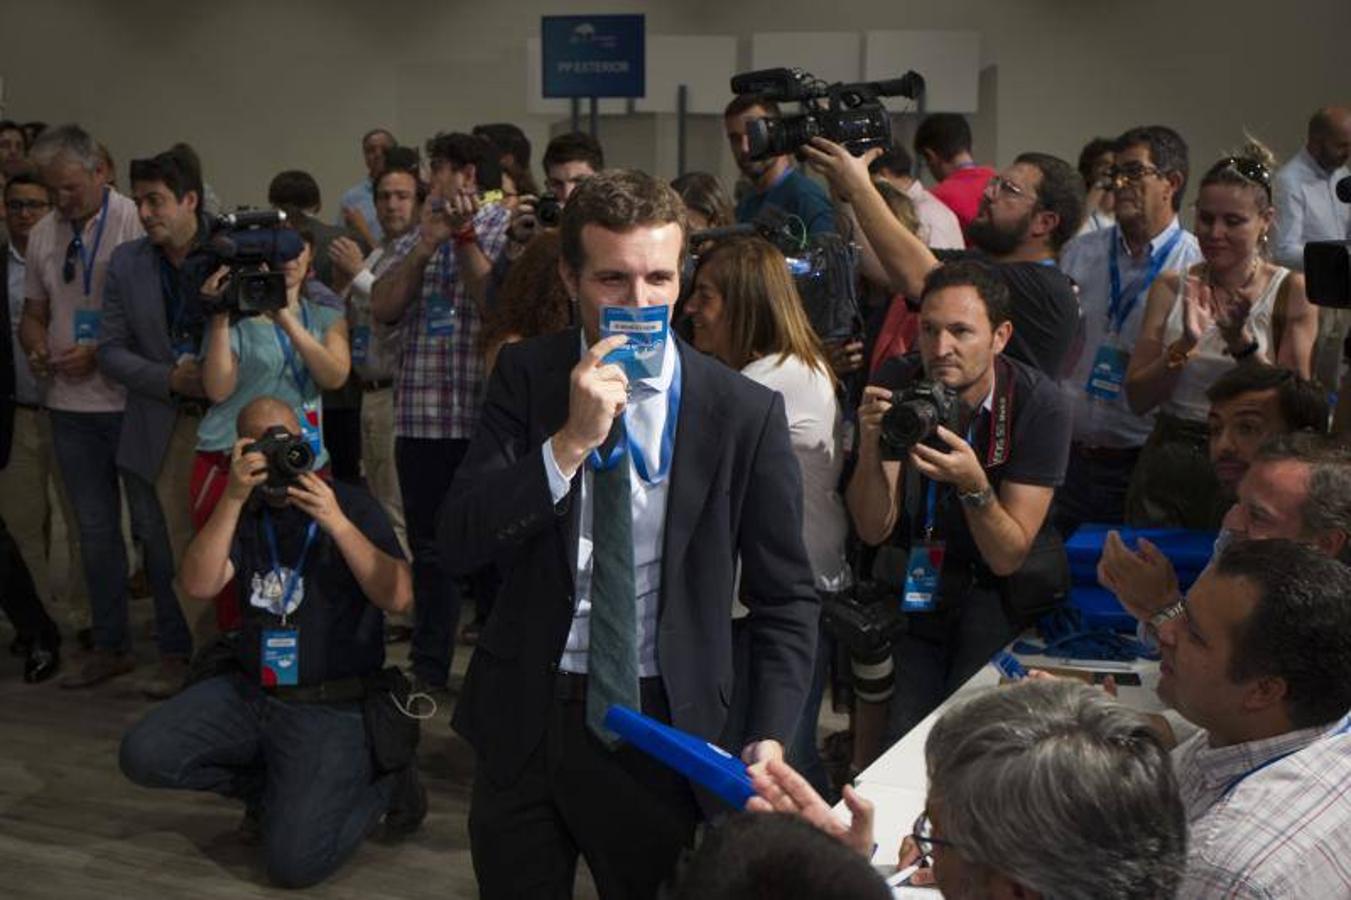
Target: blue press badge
[309,428]
[646,329]
[87,325]
[922,572]
[361,344]
[440,316]
[1108,374]
[1008,666]
[280,657]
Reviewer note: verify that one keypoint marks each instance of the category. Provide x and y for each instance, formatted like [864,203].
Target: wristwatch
[977,499]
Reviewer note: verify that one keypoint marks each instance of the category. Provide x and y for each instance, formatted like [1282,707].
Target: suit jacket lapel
[698,435]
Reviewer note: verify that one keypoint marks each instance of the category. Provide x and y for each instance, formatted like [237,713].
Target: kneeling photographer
[960,452]
[292,714]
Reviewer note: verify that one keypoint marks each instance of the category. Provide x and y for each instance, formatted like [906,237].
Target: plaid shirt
[1269,818]
[440,384]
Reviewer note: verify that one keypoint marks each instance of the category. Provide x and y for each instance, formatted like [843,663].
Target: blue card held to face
[646,328]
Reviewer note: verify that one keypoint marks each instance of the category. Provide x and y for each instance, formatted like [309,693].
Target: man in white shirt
[1114,268]
[938,225]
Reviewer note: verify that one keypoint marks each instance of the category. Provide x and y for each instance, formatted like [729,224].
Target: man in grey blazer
[151,335]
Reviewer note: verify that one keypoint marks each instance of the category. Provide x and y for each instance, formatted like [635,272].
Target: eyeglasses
[922,834]
[73,251]
[1131,172]
[998,185]
[19,206]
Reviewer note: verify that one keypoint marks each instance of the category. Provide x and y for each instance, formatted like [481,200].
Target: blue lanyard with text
[88,262]
[1118,311]
[1229,789]
[299,567]
[668,430]
[931,504]
[299,374]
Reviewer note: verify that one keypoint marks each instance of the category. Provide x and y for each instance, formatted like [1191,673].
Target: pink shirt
[961,191]
[68,300]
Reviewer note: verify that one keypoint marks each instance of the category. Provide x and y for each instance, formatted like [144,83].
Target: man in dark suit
[617,511]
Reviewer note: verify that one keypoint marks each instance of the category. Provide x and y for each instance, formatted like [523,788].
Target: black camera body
[548,211]
[864,619]
[253,246]
[851,114]
[916,412]
[287,457]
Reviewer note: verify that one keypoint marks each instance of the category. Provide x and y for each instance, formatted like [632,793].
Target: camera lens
[297,457]
[775,137]
[908,423]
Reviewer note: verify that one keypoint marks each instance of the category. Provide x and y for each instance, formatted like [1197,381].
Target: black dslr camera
[1327,264]
[287,457]
[852,115]
[254,248]
[916,412]
[548,211]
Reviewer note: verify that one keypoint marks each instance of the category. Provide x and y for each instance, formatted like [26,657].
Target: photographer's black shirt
[1038,441]
[1045,309]
[341,633]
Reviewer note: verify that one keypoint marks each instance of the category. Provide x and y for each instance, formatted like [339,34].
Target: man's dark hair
[1091,153]
[178,171]
[894,159]
[972,273]
[1061,191]
[574,146]
[1167,151]
[506,138]
[1300,629]
[618,200]
[1303,405]
[403,161]
[742,102]
[374,131]
[294,191]
[11,125]
[460,149]
[756,855]
[946,134]
[25,177]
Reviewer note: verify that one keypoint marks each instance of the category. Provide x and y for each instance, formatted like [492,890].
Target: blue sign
[593,56]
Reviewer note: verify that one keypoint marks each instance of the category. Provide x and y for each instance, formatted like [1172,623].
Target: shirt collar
[1155,242]
[1219,766]
[14,253]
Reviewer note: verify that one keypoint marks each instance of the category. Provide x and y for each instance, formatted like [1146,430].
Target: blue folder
[707,765]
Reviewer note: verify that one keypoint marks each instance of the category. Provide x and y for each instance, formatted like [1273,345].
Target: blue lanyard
[443,271]
[667,451]
[1117,311]
[1229,789]
[88,262]
[299,374]
[931,504]
[173,297]
[294,577]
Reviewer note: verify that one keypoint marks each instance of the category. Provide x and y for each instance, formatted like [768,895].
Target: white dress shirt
[938,225]
[386,341]
[1307,208]
[1099,422]
[644,419]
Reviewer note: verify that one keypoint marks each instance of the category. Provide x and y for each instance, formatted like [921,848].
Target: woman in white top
[745,310]
[1233,308]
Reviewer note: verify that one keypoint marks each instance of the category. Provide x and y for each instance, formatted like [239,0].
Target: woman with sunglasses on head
[745,310]
[1235,307]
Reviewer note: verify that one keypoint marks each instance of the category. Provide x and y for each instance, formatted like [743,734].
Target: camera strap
[1000,445]
[288,585]
[299,374]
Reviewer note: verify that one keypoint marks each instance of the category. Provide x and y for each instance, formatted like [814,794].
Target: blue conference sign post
[593,56]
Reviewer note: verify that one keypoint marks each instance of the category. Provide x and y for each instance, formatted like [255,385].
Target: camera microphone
[1344,189]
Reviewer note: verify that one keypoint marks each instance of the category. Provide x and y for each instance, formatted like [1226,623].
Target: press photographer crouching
[960,451]
[293,713]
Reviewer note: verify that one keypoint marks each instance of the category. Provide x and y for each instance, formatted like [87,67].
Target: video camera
[255,248]
[1327,264]
[852,115]
[916,412]
[287,457]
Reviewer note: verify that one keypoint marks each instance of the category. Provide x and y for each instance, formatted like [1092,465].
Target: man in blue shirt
[775,181]
[356,210]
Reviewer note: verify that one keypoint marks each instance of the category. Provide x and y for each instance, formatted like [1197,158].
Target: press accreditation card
[646,329]
[1108,374]
[922,572]
[87,326]
[281,657]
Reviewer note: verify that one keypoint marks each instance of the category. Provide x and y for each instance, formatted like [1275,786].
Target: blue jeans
[85,446]
[304,767]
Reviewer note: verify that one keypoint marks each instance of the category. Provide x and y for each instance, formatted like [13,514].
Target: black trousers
[19,598]
[629,815]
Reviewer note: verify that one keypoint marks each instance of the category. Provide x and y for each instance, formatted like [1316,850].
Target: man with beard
[774,180]
[1026,214]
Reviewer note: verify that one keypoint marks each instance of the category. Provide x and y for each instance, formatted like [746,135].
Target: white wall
[258,87]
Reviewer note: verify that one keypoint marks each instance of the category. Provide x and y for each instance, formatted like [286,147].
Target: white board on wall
[829,55]
[704,63]
[948,60]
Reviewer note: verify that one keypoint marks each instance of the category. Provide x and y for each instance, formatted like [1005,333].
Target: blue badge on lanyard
[1108,375]
[361,344]
[667,450]
[646,329]
[924,567]
[184,345]
[280,657]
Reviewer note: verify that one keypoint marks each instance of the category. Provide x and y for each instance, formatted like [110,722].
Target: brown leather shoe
[167,678]
[98,668]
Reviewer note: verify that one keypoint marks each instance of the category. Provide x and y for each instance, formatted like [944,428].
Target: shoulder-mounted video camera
[255,248]
[848,114]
